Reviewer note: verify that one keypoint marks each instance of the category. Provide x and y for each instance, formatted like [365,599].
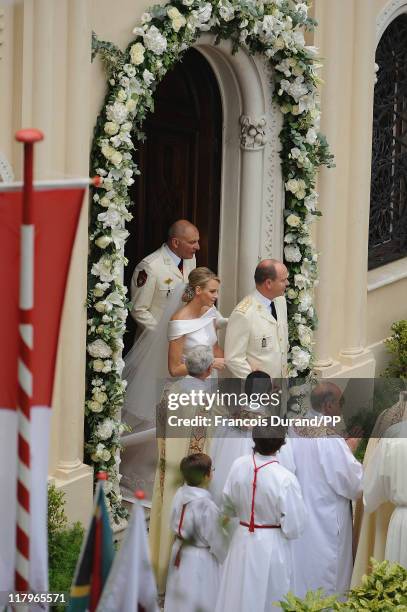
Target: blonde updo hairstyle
[199,277]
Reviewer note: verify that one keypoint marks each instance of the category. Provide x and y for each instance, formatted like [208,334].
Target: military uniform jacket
[255,340]
[153,281]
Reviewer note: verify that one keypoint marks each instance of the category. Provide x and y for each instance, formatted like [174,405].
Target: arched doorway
[180,163]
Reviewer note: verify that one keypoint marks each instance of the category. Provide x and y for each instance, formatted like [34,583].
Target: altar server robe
[230,443]
[258,568]
[194,572]
[385,480]
[330,477]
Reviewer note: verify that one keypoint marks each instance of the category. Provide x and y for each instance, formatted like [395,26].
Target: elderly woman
[174,444]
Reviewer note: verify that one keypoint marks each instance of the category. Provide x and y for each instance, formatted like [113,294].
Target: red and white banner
[45,245]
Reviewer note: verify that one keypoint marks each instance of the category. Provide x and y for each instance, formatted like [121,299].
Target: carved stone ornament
[252,132]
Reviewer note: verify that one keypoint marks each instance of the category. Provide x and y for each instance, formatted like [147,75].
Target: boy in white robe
[267,500]
[194,573]
[229,443]
[330,478]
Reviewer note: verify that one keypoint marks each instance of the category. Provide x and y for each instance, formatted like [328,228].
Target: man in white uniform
[257,332]
[330,477]
[157,275]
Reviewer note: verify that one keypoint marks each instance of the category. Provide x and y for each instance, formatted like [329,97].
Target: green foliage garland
[274,29]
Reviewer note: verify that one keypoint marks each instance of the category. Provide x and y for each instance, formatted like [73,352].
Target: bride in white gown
[195,323]
[155,354]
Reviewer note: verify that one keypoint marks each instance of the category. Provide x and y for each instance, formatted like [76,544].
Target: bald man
[330,478]
[157,275]
[257,332]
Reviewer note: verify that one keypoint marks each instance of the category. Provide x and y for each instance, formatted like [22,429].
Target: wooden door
[180,163]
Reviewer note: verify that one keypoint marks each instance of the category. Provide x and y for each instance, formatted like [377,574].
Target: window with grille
[388,199]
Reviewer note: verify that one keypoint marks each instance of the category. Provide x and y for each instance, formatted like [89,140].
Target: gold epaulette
[244,305]
[316,432]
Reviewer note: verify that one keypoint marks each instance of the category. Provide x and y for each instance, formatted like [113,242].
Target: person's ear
[198,290]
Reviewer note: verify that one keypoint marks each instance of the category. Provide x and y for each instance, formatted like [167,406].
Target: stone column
[42,84]
[334,37]
[70,472]
[354,336]
[252,143]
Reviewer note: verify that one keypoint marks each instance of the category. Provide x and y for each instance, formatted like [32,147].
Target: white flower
[305,335]
[103,269]
[116,112]
[297,187]
[307,267]
[95,406]
[105,429]
[121,314]
[305,298]
[243,35]
[99,396]
[300,358]
[301,281]
[203,14]
[148,77]
[137,54]
[122,95]
[119,237]
[292,253]
[107,366]
[129,69]
[103,306]
[99,349]
[155,41]
[111,218]
[103,241]
[310,201]
[291,294]
[145,18]
[99,289]
[292,220]
[115,298]
[268,28]
[307,240]
[290,238]
[120,366]
[101,454]
[131,104]
[177,19]
[98,365]
[226,10]
[311,136]
[111,128]
[302,8]
[306,103]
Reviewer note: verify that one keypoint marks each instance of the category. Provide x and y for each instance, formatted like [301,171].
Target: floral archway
[272,28]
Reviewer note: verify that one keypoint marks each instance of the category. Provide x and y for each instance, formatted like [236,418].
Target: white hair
[198,360]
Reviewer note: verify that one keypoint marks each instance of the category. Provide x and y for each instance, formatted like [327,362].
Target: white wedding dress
[146,372]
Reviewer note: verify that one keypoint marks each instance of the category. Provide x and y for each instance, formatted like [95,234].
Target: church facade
[236,197]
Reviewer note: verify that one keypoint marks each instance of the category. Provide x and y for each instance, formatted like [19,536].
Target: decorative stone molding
[6,171]
[1,32]
[252,132]
[393,9]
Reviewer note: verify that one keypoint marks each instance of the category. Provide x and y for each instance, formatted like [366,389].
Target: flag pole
[25,362]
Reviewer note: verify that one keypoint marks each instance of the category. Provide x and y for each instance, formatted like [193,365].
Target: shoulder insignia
[141,278]
[244,305]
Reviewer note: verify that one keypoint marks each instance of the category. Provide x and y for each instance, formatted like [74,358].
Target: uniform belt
[260,526]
